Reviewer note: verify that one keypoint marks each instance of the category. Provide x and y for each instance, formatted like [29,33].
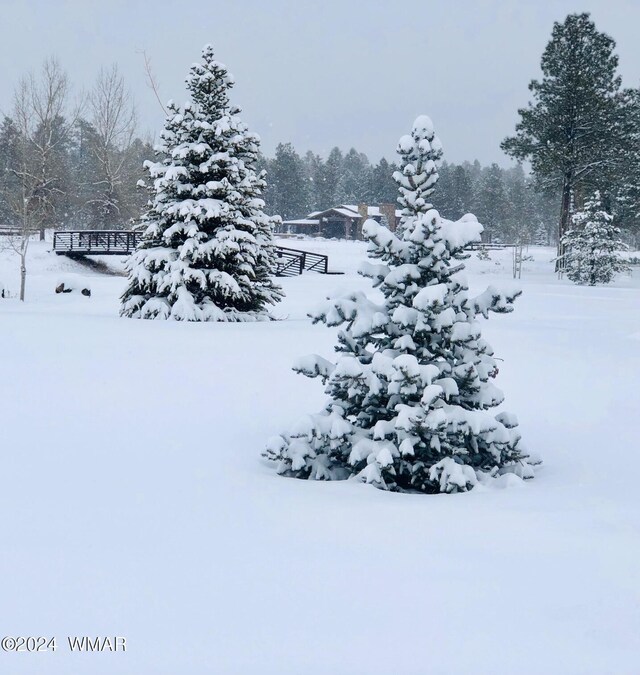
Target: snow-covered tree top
[209,82]
[423,127]
[420,152]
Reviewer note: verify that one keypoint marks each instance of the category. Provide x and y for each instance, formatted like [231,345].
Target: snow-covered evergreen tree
[592,246]
[411,391]
[206,253]
[541,236]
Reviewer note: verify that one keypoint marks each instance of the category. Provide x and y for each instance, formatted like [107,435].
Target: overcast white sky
[319,74]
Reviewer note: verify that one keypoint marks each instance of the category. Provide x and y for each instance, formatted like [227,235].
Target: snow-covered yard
[136,502]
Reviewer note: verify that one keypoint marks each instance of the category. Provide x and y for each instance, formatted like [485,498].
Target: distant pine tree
[492,203]
[328,193]
[314,176]
[541,236]
[206,253]
[410,393]
[384,190]
[593,245]
[627,181]
[455,190]
[355,181]
[289,185]
[10,186]
[520,217]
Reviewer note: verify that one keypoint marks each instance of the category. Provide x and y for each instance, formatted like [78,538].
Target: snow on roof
[346,212]
[371,210]
[351,211]
[301,221]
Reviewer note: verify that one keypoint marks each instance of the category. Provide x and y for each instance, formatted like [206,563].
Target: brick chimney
[363,211]
[389,212]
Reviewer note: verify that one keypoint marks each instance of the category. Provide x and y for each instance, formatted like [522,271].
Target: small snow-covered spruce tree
[540,237]
[593,245]
[206,253]
[411,391]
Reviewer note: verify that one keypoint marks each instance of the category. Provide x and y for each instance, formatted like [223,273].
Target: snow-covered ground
[136,503]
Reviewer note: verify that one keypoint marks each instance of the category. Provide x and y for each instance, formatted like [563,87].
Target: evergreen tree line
[505,200]
[299,185]
[66,164]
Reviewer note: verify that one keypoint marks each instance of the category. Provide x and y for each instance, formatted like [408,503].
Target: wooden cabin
[342,222]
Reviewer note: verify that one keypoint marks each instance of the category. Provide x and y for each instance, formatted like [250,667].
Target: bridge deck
[289,261]
[95,242]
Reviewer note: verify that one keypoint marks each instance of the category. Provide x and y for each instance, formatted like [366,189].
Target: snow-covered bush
[206,253]
[73,283]
[411,391]
[593,245]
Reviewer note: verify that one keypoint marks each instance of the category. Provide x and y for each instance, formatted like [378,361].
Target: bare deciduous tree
[40,115]
[152,81]
[113,117]
[48,119]
[22,195]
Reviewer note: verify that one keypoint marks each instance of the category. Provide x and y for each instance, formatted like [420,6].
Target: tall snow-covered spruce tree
[592,246]
[206,253]
[411,391]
